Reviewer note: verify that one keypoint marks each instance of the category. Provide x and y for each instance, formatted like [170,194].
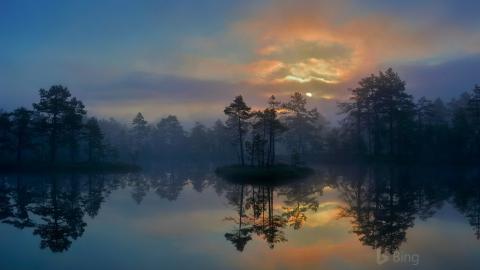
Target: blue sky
[191,57]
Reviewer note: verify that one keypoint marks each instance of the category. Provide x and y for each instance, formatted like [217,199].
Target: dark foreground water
[187,218]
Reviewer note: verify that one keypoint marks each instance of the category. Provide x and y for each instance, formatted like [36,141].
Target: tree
[265,128]
[380,114]
[238,113]
[116,136]
[5,132]
[361,121]
[73,120]
[473,109]
[22,131]
[256,147]
[274,127]
[169,136]
[461,128]
[397,110]
[199,142]
[218,135]
[302,124]
[94,140]
[139,135]
[54,105]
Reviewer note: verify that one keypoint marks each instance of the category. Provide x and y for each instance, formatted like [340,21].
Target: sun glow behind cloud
[333,43]
[219,50]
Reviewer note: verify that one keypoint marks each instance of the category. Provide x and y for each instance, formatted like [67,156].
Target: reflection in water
[54,206]
[257,212]
[382,203]
[382,209]
[255,215]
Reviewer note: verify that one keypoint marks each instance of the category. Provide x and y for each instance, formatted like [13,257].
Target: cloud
[335,42]
[302,61]
[254,49]
[445,80]
[191,99]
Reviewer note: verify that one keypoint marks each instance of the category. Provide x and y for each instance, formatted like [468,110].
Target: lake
[185,217]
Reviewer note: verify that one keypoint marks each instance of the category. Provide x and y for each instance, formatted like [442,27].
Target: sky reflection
[171,220]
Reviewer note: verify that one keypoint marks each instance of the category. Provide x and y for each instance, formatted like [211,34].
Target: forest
[380,121]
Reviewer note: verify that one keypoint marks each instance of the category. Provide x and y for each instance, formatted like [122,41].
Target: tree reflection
[62,215]
[94,197]
[257,212]
[467,199]
[241,235]
[381,202]
[54,207]
[300,198]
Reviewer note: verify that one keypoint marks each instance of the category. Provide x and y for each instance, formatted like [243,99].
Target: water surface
[187,218]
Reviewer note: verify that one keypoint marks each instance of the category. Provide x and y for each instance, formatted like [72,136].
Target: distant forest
[380,122]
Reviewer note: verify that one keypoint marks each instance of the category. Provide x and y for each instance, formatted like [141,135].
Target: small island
[256,133]
[276,174]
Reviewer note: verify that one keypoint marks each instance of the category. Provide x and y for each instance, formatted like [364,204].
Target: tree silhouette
[238,113]
[5,130]
[381,111]
[73,120]
[94,198]
[6,210]
[23,197]
[381,208]
[241,235]
[218,135]
[255,215]
[169,186]
[300,199]
[265,128]
[274,128]
[54,105]
[467,199]
[62,217]
[302,125]
[22,130]
[139,135]
[169,137]
[199,141]
[94,139]
[473,109]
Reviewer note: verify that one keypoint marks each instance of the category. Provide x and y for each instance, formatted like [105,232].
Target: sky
[190,58]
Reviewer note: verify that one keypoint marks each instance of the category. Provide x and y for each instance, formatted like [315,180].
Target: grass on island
[273,175]
[69,167]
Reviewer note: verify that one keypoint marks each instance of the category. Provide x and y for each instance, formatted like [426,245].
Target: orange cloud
[317,47]
[332,43]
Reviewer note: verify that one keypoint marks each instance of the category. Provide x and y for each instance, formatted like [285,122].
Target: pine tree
[94,140]
[73,120]
[238,113]
[139,135]
[301,123]
[54,105]
[22,131]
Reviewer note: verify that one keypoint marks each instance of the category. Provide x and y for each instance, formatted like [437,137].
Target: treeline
[381,122]
[56,130]
[251,137]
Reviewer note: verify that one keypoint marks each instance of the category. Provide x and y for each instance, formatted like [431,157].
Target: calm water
[187,218]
